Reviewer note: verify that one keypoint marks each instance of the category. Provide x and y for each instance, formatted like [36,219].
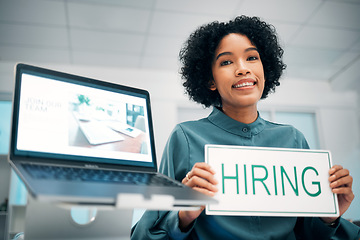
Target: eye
[227,62]
[253,58]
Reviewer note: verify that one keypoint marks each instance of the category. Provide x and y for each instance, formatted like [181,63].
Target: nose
[241,69]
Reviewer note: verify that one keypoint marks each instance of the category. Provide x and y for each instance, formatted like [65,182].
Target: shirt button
[245,129]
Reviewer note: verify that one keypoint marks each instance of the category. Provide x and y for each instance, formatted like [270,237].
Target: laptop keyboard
[96,175]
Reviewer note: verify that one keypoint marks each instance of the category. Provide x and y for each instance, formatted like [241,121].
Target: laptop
[85,141]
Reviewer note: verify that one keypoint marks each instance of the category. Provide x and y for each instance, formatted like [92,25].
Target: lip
[243,82]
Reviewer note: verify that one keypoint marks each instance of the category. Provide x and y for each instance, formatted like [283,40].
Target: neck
[243,115]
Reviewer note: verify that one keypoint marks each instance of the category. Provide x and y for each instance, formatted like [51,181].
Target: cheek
[262,84]
[260,71]
[223,74]
[261,77]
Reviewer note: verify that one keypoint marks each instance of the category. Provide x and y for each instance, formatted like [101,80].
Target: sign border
[269,213]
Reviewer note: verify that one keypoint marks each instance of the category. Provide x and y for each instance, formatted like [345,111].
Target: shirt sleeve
[314,228]
[175,161]
[301,141]
[175,164]
[159,225]
[346,230]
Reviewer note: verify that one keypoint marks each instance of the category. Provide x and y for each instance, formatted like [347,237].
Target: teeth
[244,84]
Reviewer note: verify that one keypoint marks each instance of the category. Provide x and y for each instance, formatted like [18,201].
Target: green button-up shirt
[185,147]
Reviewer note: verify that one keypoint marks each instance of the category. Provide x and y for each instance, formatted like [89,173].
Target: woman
[231,66]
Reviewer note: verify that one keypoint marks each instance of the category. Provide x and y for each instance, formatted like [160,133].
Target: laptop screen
[68,117]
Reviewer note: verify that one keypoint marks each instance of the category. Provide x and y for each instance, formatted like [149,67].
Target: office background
[136,43]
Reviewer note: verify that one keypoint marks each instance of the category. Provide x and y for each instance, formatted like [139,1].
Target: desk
[129,144]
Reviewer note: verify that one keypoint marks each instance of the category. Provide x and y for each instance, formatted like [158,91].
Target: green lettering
[314,183]
[246,192]
[275,184]
[259,179]
[295,189]
[230,177]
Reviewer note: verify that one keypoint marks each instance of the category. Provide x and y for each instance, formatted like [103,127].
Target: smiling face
[238,75]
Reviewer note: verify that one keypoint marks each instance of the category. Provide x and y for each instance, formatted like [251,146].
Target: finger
[203,173]
[204,191]
[339,174]
[204,166]
[202,170]
[334,169]
[184,181]
[342,182]
[344,191]
[202,183]
[186,178]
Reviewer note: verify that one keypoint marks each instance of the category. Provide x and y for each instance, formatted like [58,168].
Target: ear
[212,86]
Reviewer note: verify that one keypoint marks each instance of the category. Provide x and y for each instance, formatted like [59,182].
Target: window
[5,109]
[17,195]
[303,121]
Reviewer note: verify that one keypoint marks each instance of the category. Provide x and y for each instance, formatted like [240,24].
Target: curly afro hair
[198,52]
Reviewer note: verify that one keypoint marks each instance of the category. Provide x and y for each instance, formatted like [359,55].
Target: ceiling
[321,38]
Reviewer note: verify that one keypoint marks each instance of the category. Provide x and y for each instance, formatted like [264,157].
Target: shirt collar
[218,118]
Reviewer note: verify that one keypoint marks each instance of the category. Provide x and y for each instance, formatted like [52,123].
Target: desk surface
[129,144]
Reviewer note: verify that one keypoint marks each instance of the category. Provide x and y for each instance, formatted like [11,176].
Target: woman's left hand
[341,184]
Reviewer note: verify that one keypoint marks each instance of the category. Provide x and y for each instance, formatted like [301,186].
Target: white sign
[271,182]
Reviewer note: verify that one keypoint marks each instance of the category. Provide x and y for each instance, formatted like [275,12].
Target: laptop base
[56,221]
[50,221]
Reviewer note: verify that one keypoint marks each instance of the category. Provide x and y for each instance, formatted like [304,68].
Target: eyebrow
[230,53]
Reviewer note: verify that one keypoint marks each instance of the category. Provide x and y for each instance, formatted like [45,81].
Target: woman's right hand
[200,178]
